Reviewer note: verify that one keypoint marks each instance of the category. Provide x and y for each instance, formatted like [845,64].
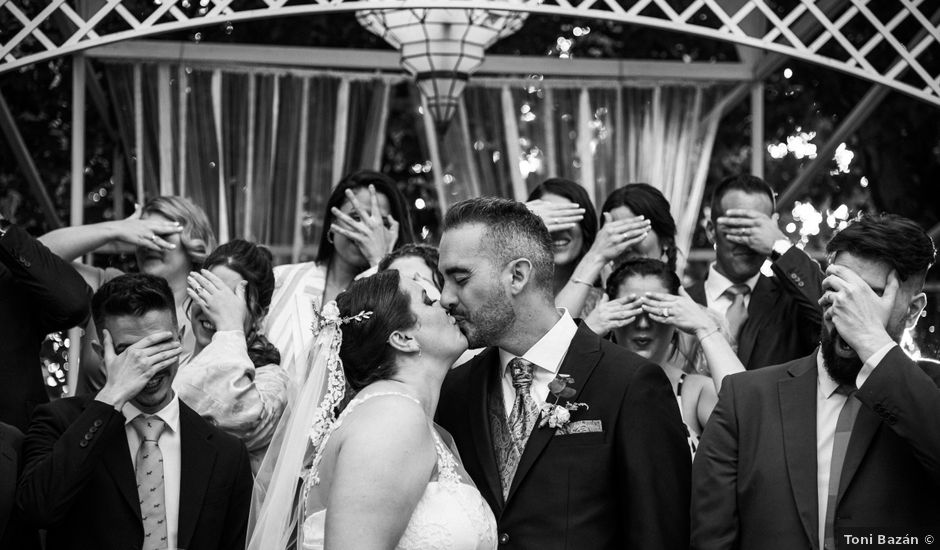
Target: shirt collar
[716,284]
[550,350]
[826,384]
[170,414]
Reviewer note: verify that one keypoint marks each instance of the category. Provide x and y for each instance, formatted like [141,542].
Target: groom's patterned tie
[149,471]
[521,419]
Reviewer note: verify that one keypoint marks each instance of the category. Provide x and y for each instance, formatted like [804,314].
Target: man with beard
[133,467]
[772,319]
[844,442]
[573,441]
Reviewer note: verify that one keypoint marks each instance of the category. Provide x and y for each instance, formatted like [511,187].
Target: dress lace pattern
[451,514]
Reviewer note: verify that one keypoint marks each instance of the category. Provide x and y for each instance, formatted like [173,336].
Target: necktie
[521,419]
[840,445]
[737,311]
[149,470]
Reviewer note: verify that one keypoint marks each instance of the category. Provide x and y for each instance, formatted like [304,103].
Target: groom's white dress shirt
[547,355]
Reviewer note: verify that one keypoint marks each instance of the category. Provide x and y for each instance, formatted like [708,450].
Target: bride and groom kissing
[549,438]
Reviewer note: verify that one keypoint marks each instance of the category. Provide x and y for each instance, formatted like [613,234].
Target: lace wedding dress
[451,514]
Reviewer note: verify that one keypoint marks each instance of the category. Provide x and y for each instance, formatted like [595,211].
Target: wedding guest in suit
[170,236]
[133,466]
[607,465]
[235,379]
[798,455]
[772,319]
[39,293]
[15,531]
[365,218]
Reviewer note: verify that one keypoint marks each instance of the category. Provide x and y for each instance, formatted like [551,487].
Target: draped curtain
[259,150]
[600,135]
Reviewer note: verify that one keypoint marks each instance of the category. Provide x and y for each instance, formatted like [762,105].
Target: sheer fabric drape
[602,136]
[259,150]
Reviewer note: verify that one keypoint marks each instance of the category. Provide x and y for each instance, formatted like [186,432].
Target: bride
[381,474]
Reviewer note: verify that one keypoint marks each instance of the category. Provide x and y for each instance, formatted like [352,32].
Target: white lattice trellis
[890,42]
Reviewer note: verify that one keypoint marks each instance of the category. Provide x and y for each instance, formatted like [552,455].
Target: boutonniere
[554,415]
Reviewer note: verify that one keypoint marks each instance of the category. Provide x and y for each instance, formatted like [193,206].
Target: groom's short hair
[511,232]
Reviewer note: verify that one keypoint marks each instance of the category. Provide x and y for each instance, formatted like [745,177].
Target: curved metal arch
[806,31]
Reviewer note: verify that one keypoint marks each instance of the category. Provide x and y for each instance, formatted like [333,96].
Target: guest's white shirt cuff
[869,366]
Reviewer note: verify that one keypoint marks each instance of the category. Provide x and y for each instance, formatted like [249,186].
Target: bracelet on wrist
[581,282]
[713,331]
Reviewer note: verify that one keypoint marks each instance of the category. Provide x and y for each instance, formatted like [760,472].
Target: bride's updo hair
[367,356]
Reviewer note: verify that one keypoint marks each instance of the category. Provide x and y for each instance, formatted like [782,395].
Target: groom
[616,474]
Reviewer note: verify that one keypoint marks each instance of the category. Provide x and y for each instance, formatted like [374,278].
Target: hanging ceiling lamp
[442,47]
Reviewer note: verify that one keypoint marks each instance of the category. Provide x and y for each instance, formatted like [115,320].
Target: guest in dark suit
[133,466]
[773,319]
[39,293]
[844,441]
[611,473]
[15,532]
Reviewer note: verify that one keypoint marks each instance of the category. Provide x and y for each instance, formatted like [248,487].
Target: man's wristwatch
[779,249]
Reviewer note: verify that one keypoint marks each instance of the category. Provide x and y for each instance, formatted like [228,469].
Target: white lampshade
[441,48]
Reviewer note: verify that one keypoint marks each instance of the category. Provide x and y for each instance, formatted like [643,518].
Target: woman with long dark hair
[366,217]
[234,378]
[659,315]
[580,249]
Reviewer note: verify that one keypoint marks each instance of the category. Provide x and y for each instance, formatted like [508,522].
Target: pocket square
[581,427]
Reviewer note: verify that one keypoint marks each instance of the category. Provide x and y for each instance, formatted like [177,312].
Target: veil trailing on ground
[279,498]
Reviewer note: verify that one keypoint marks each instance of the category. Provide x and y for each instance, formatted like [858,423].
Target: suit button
[83,443]
[98,423]
[93,429]
[88,437]
[24,261]
[799,284]
[504,538]
[794,276]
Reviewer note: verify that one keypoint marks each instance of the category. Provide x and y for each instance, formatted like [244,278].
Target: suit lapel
[866,425]
[481,384]
[197,457]
[583,355]
[762,301]
[120,466]
[798,415]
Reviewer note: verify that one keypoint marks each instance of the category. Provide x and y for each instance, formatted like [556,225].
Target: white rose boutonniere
[554,415]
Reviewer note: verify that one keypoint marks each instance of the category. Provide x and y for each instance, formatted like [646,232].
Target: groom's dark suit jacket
[621,488]
[755,468]
[79,481]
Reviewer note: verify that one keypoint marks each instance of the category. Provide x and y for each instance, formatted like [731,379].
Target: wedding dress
[451,514]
